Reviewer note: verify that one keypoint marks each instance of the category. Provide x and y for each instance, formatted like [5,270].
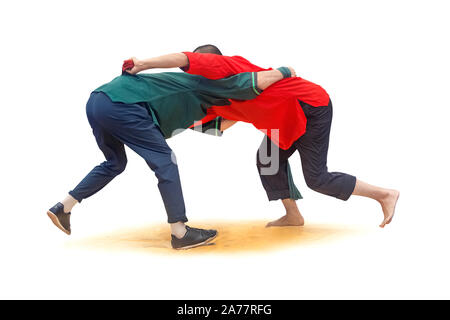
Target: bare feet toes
[388,205]
[286,220]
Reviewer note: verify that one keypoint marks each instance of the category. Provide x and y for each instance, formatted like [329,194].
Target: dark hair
[208,48]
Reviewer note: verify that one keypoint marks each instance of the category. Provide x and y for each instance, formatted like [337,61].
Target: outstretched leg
[113,150]
[133,126]
[313,148]
[99,176]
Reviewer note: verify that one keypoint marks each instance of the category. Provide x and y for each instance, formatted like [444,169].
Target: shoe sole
[56,222]
[198,244]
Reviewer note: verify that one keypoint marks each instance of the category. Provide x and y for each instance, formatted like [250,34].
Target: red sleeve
[214,66]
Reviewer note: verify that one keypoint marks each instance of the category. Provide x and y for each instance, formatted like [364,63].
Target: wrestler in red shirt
[296,115]
[277,108]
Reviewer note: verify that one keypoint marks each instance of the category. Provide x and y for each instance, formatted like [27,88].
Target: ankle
[69,202]
[178,229]
[385,195]
[292,213]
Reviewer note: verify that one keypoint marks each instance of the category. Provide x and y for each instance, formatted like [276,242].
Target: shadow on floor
[233,237]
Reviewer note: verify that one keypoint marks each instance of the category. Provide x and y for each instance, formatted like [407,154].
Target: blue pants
[313,150]
[115,124]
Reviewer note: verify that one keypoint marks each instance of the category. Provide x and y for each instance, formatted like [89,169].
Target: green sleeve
[242,86]
[211,127]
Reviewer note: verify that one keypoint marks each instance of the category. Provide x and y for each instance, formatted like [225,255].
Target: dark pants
[115,124]
[313,149]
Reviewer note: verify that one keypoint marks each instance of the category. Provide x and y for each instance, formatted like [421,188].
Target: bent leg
[114,153]
[133,126]
[313,149]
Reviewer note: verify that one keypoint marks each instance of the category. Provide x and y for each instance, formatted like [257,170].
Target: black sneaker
[59,217]
[193,238]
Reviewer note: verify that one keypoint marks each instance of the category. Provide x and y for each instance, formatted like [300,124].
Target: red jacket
[276,108]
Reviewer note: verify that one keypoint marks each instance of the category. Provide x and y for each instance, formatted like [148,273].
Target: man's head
[208,48]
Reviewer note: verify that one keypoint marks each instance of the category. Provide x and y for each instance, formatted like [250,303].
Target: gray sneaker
[59,217]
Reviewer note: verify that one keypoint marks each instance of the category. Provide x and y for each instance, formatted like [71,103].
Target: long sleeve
[243,86]
[211,127]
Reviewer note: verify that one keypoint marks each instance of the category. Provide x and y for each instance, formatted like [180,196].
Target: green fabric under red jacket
[276,111]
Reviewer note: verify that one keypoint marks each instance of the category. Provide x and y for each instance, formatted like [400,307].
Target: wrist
[285,72]
[144,64]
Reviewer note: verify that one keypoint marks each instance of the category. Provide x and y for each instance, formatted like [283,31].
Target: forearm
[267,78]
[173,60]
[243,86]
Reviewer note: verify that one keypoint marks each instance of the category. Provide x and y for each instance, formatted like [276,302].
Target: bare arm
[267,78]
[180,60]
[172,60]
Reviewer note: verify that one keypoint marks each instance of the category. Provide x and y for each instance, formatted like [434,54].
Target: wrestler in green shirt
[176,100]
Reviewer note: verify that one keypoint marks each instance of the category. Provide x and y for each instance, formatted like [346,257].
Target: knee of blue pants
[335,184]
[316,182]
[116,166]
[166,171]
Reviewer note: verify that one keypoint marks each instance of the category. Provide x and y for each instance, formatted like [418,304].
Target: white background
[386,66]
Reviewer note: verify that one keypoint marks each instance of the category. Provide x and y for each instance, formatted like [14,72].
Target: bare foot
[287,220]
[388,205]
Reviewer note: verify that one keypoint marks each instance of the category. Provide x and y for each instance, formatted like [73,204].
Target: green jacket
[177,100]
